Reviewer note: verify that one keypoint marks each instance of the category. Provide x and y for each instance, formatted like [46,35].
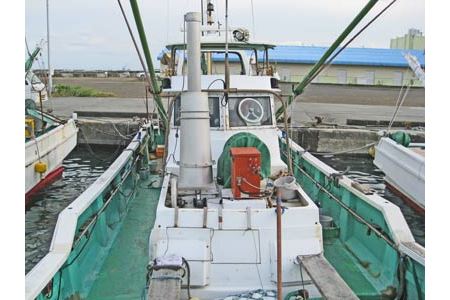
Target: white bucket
[153,166]
[287,187]
[325,221]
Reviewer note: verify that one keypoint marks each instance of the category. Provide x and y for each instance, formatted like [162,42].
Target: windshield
[249,111]
[214,111]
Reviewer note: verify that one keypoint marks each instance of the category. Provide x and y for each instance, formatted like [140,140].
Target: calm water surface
[363,170]
[81,168]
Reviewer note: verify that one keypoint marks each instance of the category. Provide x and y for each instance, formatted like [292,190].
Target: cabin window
[214,111]
[216,60]
[249,111]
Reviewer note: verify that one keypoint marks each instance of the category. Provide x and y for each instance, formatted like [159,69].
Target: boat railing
[398,228]
[77,222]
[369,226]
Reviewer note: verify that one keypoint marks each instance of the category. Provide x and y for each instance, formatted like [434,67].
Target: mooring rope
[398,105]
[345,151]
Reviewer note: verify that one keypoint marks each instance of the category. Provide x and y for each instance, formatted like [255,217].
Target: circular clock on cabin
[251,111]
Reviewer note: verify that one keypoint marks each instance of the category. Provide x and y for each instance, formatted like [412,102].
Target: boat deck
[123,275]
[348,268]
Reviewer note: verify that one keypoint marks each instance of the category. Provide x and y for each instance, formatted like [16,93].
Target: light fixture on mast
[209,11]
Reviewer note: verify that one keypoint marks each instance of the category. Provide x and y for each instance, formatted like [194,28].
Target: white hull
[238,254]
[52,148]
[404,170]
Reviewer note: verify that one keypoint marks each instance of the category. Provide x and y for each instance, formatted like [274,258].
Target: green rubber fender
[242,139]
[401,137]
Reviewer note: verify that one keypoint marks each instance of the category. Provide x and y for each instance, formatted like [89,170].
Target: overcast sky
[87,34]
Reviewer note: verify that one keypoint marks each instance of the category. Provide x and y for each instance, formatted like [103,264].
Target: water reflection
[80,170]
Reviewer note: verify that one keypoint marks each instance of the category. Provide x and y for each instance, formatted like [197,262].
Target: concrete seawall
[113,131]
[331,140]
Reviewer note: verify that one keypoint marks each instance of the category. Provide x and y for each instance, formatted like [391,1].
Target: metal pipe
[148,58]
[195,145]
[300,87]
[50,82]
[193,52]
[279,251]
[201,11]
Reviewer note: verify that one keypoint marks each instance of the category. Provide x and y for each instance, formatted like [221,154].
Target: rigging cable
[91,151]
[398,106]
[149,84]
[349,41]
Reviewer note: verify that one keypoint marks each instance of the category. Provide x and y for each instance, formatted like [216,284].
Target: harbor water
[84,165]
[81,168]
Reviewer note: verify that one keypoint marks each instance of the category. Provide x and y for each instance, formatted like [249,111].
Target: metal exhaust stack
[195,145]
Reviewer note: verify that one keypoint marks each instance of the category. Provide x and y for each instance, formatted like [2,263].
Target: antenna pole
[227,67]
[201,11]
[50,83]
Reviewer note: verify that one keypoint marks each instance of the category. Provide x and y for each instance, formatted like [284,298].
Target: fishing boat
[403,164]
[48,139]
[35,89]
[235,209]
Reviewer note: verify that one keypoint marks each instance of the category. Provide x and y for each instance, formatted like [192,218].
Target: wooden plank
[329,283]
[165,284]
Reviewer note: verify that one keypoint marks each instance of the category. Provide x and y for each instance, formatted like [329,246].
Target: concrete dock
[113,120]
[302,112]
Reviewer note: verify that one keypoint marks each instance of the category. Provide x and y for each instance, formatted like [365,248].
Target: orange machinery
[245,171]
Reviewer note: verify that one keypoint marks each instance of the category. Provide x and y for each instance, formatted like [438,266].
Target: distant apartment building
[413,40]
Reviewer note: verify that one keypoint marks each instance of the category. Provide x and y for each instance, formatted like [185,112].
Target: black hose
[188,277]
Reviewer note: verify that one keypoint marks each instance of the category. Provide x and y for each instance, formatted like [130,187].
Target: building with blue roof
[366,66]
[375,57]
[371,66]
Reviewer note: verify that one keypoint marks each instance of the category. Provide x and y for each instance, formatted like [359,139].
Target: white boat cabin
[229,242]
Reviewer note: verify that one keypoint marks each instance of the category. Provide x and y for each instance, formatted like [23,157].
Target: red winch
[245,171]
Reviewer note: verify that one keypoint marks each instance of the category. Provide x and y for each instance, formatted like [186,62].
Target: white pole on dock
[50,83]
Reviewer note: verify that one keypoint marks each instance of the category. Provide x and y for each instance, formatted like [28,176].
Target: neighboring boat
[48,140]
[404,169]
[35,89]
[222,220]
[402,162]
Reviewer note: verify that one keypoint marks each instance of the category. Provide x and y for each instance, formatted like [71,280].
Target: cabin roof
[233,45]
